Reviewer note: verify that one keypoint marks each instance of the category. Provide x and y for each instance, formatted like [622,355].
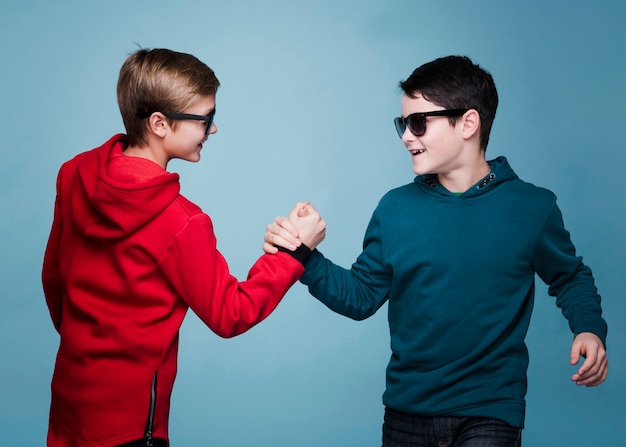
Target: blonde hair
[160,80]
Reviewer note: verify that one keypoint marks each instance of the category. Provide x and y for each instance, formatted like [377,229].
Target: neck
[145,152]
[463,179]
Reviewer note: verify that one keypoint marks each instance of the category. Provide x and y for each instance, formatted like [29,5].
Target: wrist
[300,254]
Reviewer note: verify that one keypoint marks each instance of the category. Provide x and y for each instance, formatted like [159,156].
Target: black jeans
[143,443]
[411,430]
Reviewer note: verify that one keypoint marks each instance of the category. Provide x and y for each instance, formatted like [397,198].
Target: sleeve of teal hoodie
[357,292]
[568,278]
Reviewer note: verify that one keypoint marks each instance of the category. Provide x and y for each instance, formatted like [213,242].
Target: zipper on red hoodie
[150,422]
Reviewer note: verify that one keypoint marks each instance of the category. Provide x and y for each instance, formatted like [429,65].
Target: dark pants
[143,443]
[410,430]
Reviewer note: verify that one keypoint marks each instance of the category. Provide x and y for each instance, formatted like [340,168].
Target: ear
[157,124]
[471,124]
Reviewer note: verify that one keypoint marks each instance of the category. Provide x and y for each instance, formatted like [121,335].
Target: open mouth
[417,151]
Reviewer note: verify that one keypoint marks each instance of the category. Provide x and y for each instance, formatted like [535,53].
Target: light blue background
[309,90]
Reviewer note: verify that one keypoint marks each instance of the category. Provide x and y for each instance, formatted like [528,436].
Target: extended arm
[200,275]
[357,292]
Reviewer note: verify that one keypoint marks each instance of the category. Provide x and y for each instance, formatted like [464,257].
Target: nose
[407,136]
[213,129]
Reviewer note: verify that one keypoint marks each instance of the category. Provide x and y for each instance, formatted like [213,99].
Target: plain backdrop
[309,91]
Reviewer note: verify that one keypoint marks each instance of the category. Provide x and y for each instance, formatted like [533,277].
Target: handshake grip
[303,226]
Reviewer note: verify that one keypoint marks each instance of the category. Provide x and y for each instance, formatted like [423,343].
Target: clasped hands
[303,226]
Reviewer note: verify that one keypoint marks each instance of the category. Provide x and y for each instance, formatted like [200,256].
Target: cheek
[441,140]
[434,143]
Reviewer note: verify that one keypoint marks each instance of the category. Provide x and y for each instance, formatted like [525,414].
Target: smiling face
[186,137]
[439,150]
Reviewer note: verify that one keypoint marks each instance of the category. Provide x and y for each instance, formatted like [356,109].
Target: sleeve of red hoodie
[200,275]
[50,277]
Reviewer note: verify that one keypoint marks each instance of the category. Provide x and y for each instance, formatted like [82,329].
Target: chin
[423,170]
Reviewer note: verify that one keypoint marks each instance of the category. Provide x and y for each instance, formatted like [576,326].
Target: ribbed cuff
[301,254]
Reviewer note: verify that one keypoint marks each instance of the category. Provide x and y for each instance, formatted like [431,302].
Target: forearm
[581,304]
[203,280]
[348,292]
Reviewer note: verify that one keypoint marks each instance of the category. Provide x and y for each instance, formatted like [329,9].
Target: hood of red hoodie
[105,203]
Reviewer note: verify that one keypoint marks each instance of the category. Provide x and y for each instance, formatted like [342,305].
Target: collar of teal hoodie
[500,172]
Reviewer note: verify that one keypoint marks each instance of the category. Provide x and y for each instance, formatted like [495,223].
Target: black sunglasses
[208,119]
[416,122]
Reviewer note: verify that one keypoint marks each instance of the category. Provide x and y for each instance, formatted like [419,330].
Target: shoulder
[516,185]
[187,207]
[180,216]
[400,193]
[532,192]
[73,162]
[93,157]
[83,162]
[184,216]
[404,197]
[182,222]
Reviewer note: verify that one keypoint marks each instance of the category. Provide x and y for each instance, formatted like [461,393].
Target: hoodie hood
[113,195]
[500,173]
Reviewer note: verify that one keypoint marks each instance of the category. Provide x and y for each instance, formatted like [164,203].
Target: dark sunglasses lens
[400,126]
[209,123]
[417,124]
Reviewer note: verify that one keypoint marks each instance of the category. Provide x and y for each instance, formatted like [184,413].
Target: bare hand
[304,225]
[594,369]
[309,224]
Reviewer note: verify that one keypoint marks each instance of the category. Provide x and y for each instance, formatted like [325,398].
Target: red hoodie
[127,255]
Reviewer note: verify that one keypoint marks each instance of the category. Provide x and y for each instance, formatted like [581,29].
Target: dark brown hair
[455,82]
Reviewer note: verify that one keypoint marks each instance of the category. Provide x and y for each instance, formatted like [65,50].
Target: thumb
[295,212]
[304,210]
[574,355]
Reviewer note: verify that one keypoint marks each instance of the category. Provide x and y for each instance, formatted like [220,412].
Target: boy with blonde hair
[128,255]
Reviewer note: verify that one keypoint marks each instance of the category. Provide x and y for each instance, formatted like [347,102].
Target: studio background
[309,90]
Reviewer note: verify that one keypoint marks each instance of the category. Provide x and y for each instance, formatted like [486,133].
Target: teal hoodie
[459,275]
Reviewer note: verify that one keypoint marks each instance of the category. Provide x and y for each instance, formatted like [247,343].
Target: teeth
[417,151]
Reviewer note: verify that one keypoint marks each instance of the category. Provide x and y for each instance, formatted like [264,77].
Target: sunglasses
[416,122]
[208,119]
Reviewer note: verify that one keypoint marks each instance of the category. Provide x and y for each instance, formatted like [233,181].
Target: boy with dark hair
[128,255]
[455,254]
